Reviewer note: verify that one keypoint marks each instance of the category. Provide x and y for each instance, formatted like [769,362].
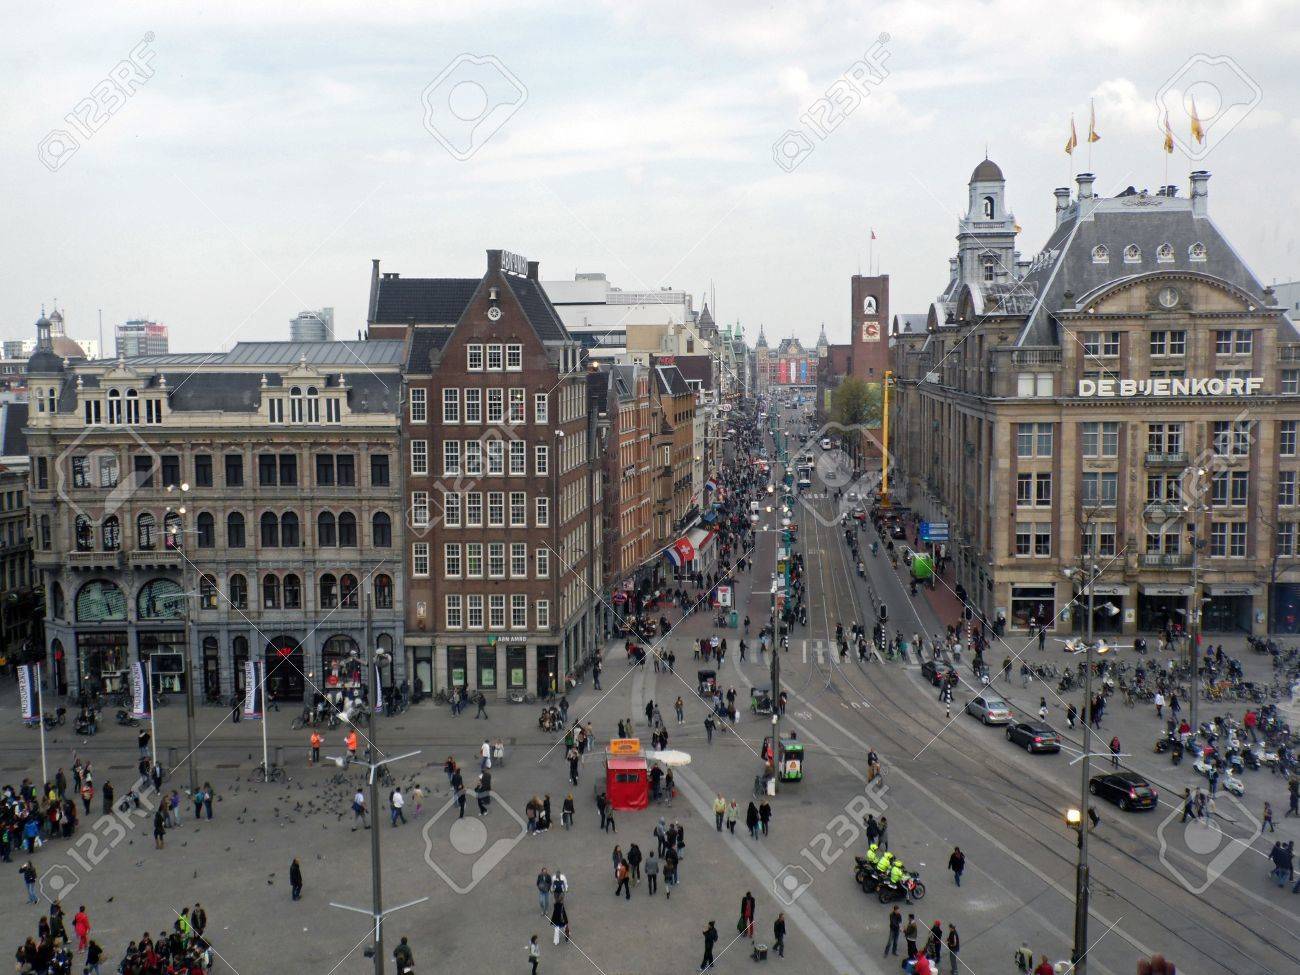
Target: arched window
[56,601]
[383,592]
[289,534]
[292,592]
[270,592]
[313,405]
[329,591]
[100,601]
[110,534]
[173,536]
[160,599]
[235,530]
[348,590]
[270,530]
[207,530]
[85,535]
[238,591]
[990,267]
[1100,255]
[239,657]
[1132,254]
[146,532]
[381,530]
[1165,253]
[295,404]
[114,406]
[326,532]
[347,530]
[988,208]
[207,592]
[132,406]
[1197,251]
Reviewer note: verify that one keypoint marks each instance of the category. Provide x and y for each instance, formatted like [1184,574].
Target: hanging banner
[379,691]
[141,699]
[253,689]
[28,675]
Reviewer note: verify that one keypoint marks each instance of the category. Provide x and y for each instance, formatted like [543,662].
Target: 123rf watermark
[90,848]
[825,849]
[106,99]
[844,96]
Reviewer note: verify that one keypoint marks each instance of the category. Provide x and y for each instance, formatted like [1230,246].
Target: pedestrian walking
[764,815]
[778,935]
[359,810]
[710,939]
[396,803]
[957,863]
[651,873]
[623,875]
[159,828]
[954,947]
[1114,751]
[719,811]
[745,926]
[208,793]
[544,881]
[316,741]
[481,701]
[679,706]
[295,879]
[81,925]
[1071,714]
[28,873]
[560,921]
[732,813]
[884,833]
[751,821]
[1267,821]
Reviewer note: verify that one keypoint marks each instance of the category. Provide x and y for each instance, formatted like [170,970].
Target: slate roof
[671,381]
[538,309]
[423,301]
[13,417]
[424,341]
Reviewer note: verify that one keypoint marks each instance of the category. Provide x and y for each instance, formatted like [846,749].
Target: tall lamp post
[189,655]
[1078,959]
[376,762]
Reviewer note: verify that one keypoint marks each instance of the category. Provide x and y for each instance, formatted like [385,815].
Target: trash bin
[734,619]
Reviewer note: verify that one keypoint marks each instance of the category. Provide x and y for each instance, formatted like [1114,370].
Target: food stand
[789,758]
[627,779]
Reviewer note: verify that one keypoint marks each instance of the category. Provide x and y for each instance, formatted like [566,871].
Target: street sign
[934,531]
[724,595]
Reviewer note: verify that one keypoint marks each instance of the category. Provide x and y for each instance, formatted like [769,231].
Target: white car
[826,443]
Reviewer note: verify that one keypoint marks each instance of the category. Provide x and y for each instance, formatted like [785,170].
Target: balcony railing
[1163,560]
[94,560]
[1036,357]
[1177,459]
[159,557]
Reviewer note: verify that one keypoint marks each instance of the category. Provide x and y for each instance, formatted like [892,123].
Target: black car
[1128,790]
[937,673]
[1034,736]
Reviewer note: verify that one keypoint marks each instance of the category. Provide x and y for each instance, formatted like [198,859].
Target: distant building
[19,348]
[611,323]
[19,600]
[312,326]
[139,337]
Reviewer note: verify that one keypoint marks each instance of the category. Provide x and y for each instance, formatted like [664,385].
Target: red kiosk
[627,776]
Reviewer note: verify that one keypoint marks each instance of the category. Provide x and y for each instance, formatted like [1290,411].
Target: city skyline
[569,170]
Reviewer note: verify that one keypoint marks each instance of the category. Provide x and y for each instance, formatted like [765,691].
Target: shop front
[422,669]
[1108,609]
[1229,608]
[285,670]
[101,660]
[1163,606]
[164,652]
[548,670]
[1286,608]
[1032,605]
[342,667]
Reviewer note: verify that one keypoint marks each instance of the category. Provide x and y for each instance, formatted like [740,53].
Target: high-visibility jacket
[896,874]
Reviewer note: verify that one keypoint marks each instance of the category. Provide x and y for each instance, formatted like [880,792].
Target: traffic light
[884,613]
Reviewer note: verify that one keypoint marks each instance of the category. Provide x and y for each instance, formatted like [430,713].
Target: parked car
[1034,736]
[937,673]
[990,709]
[1128,790]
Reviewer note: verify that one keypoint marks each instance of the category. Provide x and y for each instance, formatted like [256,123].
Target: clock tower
[869,315]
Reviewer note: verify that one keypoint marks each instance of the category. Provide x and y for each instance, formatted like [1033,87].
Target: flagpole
[40,719]
[266,769]
[153,706]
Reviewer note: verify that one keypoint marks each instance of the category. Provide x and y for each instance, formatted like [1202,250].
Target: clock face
[494,313]
[1168,297]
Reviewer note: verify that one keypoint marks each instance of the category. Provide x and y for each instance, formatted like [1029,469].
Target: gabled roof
[422,301]
[671,381]
[538,309]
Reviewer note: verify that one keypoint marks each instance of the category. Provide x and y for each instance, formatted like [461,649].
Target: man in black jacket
[710,939]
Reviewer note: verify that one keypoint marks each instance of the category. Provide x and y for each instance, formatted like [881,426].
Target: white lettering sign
[1107,388]
[514,264]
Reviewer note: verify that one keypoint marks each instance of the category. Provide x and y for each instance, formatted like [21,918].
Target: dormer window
[990,267]
[1165,255]
[313,405]
[1100,255]
[1132,254]
[1197,251]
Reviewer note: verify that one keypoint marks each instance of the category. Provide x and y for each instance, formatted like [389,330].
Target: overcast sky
[272,149]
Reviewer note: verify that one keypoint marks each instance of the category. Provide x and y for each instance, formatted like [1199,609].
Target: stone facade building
[205,509]
[1129,399]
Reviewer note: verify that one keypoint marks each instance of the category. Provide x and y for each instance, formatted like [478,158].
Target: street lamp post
[189,654]
[376,762]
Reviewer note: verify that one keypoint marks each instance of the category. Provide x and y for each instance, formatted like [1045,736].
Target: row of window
[478,612]
[1227,539]
[490,455]
[273,470]
[1133,254]
[494,357]
[275,531]
[286,592]
[305,406]
[122,409]
[492,405]
[478,560]
[1227,341]
[466,509]
[1100,439]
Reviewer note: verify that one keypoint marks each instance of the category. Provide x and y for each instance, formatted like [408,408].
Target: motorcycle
[126,719]
[52,721]
[86,724]
[910,889]
[1226,779]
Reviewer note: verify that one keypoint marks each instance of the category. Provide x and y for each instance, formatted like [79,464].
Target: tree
[856,403]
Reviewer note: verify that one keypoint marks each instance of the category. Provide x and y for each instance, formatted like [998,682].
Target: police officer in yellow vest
[872,855]
[882,864]
[896,872]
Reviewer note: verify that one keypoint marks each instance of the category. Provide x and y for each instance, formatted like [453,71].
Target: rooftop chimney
[1085,181]
[1062,203]
[494,260]
[1200,193]
[532,269]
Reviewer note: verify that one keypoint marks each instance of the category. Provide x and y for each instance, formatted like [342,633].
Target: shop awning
[687,548]
[1160,590]
[1233,589]
[700,538]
